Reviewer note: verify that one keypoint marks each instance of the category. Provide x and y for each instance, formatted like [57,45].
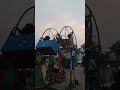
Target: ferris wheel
[93,49]
[92,31]
[68,37]
[48,48]
[68,44]
[50,33]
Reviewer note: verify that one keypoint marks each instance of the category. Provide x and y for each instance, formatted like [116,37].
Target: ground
[80,76]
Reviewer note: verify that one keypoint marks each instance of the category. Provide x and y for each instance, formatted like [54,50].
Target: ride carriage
[51,49]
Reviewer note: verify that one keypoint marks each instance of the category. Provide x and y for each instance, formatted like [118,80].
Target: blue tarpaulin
[48,47]
[16,43]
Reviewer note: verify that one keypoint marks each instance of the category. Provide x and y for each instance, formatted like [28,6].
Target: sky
[59,13]
[107,14]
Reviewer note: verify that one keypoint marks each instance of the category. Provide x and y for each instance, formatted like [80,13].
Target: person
[47,38]
[70,34]
[29,28]
[39,80]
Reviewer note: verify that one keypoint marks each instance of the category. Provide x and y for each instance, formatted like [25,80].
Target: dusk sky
[59,13]
[107,14]
[11,10]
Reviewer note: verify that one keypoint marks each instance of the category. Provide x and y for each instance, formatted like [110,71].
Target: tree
[116,49]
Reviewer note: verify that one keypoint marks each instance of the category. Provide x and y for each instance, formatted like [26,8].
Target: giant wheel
[48,51]
[68,39]
[66,33]
[68,44]
[51,32]
[93,50]
[92,31]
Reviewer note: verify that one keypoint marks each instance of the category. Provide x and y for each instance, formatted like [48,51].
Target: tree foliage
[116,49]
